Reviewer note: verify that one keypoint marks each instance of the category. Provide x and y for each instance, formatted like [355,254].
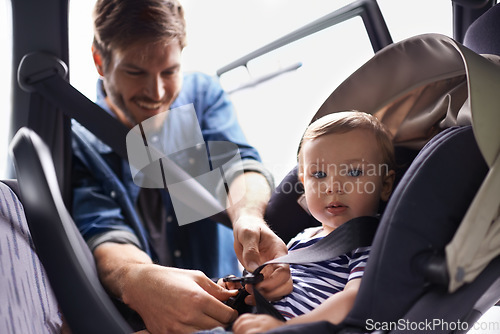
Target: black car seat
[63,252]
[482,36]
[427,90]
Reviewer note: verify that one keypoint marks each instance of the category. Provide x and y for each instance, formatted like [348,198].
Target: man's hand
[255,243]
[172,300]
[169,300]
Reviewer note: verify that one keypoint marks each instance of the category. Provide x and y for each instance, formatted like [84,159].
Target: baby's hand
[238,301]
[229,285]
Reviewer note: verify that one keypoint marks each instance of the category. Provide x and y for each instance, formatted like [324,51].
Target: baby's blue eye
[355,172]
[319,174]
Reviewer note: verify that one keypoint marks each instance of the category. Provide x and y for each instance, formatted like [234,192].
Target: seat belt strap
[74,104]
[355,233]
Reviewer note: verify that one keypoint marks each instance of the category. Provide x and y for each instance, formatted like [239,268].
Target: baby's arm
[334,309]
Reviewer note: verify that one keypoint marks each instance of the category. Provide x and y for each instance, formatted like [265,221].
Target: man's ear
[301,177]
[97,61]
[387,184]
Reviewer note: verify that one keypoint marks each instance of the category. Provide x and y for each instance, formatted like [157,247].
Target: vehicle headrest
[483,35]
[422,85]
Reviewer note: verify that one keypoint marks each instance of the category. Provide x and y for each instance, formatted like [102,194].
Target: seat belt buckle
[246,278]
[238,302]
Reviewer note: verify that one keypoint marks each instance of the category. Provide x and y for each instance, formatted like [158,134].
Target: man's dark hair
[119,23]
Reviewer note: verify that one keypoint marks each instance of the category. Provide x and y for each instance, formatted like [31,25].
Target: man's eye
[355,172]
[319,175]
[169,73]
[134,73]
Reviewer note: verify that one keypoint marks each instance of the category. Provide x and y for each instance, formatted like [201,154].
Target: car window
[275,113]
[236,28]
[83,74]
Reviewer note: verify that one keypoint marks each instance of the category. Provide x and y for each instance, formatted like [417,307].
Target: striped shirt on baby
[313,283]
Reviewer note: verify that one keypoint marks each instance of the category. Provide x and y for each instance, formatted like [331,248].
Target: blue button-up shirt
[105,196]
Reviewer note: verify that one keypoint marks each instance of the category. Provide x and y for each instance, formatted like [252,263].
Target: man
[132,231]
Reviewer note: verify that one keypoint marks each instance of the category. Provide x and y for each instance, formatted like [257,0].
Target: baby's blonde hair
[345,121]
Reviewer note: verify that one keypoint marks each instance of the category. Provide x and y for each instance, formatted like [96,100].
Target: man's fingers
[214,311]
[221,313]
[216,290]
[252,259]
[249,240]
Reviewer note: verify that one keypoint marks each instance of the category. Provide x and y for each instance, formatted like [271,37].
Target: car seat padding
[426,208]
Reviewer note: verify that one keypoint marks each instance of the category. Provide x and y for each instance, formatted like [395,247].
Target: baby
[346,163]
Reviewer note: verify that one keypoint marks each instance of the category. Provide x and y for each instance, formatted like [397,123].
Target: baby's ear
[387,184]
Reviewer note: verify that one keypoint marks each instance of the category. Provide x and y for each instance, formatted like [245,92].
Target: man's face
[143,80]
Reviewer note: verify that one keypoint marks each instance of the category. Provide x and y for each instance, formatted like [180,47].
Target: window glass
[278,111]
[83,74]
[410,18]
[275,113]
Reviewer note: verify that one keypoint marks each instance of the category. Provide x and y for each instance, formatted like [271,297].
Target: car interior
[436,252]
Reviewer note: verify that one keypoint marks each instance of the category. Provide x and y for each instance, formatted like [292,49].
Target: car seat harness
[355,233]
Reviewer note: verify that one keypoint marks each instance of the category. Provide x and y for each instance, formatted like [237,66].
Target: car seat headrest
[422,85]
[483,35]
[420,219]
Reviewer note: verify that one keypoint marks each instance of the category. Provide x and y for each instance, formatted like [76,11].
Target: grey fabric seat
[27,301]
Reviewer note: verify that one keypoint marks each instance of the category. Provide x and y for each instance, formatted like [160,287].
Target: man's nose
[155,88]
